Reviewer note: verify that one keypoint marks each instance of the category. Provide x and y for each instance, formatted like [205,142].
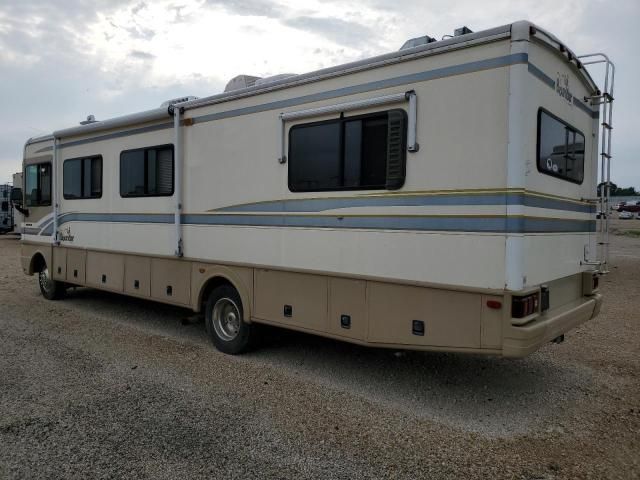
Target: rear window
[560,148]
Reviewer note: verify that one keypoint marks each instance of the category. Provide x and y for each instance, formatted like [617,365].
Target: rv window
[352,153]
[38,185]
[147,172]
[82,178]
[560,148]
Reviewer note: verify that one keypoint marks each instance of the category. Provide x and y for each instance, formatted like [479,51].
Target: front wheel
[50,288]
[225,325]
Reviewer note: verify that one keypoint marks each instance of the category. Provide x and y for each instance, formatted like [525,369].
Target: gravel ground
[104,386]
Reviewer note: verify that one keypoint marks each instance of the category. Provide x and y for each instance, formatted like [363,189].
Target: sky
[61,60]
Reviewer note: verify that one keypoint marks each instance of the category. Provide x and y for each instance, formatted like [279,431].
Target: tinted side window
[146,172]
[132,178]
[560,148]
[348,153]
[38,185]
[314,157]
[82,178]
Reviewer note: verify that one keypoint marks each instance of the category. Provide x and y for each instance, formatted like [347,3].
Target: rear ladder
[605,100]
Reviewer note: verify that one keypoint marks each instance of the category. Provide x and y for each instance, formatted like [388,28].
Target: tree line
[616,191]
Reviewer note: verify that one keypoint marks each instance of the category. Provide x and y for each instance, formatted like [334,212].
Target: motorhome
[440,197]
[16,201]
[6,209]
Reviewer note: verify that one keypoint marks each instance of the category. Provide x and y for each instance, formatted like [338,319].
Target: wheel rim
[45,280]
[226,319]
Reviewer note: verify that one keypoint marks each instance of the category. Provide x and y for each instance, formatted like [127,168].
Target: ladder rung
[606,125]
[599,99]
[605,96]
[606,155]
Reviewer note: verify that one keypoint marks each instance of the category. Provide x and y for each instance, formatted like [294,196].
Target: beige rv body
[476,128]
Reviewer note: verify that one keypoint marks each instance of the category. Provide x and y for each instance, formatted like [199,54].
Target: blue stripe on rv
[486,224]
[324,204]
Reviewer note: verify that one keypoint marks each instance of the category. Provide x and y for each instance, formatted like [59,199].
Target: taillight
[524,306]
[590,282]
[495,304]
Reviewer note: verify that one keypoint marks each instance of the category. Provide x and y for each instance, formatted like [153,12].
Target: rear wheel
[50,288]
[224,319]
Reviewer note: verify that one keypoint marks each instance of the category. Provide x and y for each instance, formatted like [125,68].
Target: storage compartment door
[171,280]
[423,316]
[105,270]
[294,299]
[76,266]
[137,275]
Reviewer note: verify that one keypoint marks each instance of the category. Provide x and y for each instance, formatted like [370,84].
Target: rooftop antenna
[90,119]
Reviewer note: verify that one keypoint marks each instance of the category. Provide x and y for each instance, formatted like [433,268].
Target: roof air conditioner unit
[417,42]
[173,101]
[240,82]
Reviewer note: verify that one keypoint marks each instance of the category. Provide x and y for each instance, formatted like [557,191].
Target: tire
[51,289]
[224,320]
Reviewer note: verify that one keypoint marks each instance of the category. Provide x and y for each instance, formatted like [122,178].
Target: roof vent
[240,82]
[461,31]
[90,119]
[274,78]
[173,101]
[418,41]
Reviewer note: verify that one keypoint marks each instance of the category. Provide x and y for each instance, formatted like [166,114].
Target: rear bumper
[520,341]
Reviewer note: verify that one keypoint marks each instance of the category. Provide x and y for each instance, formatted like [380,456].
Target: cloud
[141,55]
[138,7]
[253,8]
[138,32]
[39,30]
[335,29]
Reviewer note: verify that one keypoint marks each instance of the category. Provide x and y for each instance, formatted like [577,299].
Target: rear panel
[556,103]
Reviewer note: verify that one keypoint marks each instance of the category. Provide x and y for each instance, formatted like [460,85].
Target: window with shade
[147,172]
[365,152]
[82,178]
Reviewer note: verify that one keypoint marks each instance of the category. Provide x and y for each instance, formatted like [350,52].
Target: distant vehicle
[629,206]
[625,216]
[16,199]
[6,212]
